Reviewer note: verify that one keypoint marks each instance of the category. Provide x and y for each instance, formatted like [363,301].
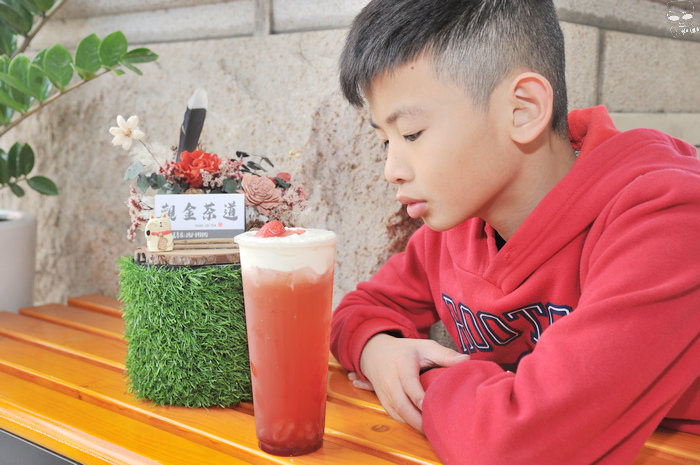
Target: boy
[562,255]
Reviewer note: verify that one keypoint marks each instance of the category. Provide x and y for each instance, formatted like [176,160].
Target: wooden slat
[674,445]
[97,350]
[97,303]
[378,434]
[650,457]
[342,391]
[227,430]
[89,434]
[74,317]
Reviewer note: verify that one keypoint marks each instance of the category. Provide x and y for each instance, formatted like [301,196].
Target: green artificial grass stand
[185,332]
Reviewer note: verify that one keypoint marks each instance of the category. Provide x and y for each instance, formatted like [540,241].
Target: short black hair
[474,43]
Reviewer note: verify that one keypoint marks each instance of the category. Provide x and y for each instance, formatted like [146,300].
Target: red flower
[286,177]
[192,164]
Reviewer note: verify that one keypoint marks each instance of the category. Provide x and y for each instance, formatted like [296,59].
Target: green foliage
[186,334]
[27,85]
[16,165]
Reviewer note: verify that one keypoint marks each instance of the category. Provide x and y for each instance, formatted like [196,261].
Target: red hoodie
[583,329]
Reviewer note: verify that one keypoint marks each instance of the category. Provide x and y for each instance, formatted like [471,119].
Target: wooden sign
[195,252]
[203,216]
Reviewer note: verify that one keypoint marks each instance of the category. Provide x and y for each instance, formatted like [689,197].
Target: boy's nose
[396,170]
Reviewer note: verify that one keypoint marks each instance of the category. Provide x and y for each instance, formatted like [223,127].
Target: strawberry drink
[287,287]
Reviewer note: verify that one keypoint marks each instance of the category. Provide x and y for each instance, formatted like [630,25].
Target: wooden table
[62,386]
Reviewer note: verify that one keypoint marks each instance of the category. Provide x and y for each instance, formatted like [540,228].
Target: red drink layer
[288,318]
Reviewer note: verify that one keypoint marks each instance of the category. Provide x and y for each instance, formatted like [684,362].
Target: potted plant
[28,84]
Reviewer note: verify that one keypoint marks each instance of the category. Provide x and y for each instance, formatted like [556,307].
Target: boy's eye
[413,137]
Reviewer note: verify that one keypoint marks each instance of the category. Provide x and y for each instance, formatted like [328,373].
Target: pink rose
[261,193]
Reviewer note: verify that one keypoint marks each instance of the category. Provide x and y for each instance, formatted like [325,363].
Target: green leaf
[19,74]
[142,182]
[8,41]
[156,181]
[43,185]
[134,170]
[45,5]
[5,115]
[17,19]
[17,86]
[13,160]
[255,166]
[4,169]
[5,111]
[58,66]
[131,67]
[170,189]
[282,183]
[160,181]
[85,76]
[87,55]
[112,48]
[26,160]
[175,189]
[32,7]
[18,191]
[139,55]
[118,72]
[6,100]
[230,185]
[39,82]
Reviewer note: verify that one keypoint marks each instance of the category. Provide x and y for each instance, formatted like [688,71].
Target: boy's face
[445,155]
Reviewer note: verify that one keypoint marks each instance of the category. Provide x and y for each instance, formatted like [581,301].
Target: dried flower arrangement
[174,170]
[185,325]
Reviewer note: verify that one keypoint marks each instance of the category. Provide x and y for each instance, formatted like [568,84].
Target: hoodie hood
[608,161]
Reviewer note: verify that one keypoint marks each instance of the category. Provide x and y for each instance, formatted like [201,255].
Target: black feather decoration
[193,122]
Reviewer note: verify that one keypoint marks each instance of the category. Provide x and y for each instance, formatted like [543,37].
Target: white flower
[127,132]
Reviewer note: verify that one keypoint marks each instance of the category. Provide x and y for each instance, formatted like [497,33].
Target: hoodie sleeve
[396,299]
[601,379]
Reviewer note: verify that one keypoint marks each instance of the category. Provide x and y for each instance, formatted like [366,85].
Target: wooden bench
[62,386]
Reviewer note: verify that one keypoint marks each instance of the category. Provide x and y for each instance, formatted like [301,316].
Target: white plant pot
[17,257]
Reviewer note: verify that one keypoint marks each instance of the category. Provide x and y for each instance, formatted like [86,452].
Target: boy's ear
[531,98]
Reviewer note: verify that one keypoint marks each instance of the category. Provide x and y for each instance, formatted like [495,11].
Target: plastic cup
[288,291]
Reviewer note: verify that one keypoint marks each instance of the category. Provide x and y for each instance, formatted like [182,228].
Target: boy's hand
[393,367]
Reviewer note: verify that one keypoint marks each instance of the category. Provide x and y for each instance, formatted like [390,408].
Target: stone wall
[269,67]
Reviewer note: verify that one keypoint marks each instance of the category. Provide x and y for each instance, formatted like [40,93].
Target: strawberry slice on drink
[276,229]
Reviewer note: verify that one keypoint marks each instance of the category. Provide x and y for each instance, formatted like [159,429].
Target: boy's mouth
[415,208]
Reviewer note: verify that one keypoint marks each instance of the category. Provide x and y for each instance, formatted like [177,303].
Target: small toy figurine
[159,237]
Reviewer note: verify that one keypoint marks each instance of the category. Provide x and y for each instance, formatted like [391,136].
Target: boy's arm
[394,365]
[600,379]
[396,300]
